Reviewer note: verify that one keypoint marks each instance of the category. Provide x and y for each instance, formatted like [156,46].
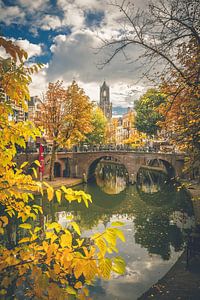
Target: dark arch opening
[57,169]
[92,167]
[164,165]
[67,171]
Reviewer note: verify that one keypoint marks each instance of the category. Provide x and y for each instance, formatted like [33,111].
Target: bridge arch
[109,158]
[163,164]
[57,169]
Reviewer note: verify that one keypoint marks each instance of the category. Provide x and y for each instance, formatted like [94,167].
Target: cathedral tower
[105,103]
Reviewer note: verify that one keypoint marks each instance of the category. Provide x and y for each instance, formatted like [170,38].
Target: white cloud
[30,48]
[10,14]
[39,82]
[74,58]
[33,6]
[73,55]
[50,22]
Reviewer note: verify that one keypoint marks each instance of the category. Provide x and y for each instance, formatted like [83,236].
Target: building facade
[105,104]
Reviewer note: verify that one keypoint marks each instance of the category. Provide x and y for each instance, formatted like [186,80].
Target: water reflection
[151,181]
[157,217]
[111,177]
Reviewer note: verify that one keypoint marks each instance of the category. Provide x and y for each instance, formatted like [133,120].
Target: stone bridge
[75,164]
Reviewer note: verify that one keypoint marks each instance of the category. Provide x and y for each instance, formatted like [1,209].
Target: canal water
[157,215]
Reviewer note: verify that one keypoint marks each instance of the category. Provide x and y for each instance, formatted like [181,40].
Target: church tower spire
[105,103]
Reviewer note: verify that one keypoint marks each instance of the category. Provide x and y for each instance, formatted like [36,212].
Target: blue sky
[65,36]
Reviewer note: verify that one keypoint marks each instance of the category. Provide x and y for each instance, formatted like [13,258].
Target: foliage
[99,122]
[111,130]
[136,139]
[65,116]
[41,260]
[146,114]
[181,111]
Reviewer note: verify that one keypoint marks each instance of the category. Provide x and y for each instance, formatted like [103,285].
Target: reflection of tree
[153,227]
[150,181]
[111,177]
[154,232]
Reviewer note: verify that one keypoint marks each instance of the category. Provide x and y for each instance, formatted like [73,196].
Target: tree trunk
[53,156]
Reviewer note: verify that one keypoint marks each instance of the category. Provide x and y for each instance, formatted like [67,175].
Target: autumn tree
[181,111]
[99,123]
[65,117]
[147,116]
[168,33]
[44,262]
[136,139]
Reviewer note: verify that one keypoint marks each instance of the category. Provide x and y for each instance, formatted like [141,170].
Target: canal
[157,215]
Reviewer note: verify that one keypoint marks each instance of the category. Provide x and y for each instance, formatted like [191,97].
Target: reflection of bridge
[75,164]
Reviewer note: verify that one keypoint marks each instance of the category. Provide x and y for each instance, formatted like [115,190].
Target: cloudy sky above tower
[65,36]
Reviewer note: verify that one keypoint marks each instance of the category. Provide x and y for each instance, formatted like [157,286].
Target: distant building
[34,107]
[105,103]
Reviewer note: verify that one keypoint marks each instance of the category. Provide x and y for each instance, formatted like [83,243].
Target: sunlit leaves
[25,226]
[50,193]
[118,265]
[75,227]
[58,195]
[65,115]
[45,256]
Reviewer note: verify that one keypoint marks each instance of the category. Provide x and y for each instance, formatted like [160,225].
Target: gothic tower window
[105,103]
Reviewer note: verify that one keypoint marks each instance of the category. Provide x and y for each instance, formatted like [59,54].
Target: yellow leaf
[117,223]
[120,234]
[24,164]
[66,240]
[101,245]
[25,226]
[54,225]
[76,227]
[35,172]
[58,195]
[37,163]
[37,229]
[118,265]
[24,240]
[80,242]
[5,220]
[105,266]
[70,290]
[78,285]
[50,193]
[64,189]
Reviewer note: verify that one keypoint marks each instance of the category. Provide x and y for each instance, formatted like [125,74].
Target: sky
[65,35]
